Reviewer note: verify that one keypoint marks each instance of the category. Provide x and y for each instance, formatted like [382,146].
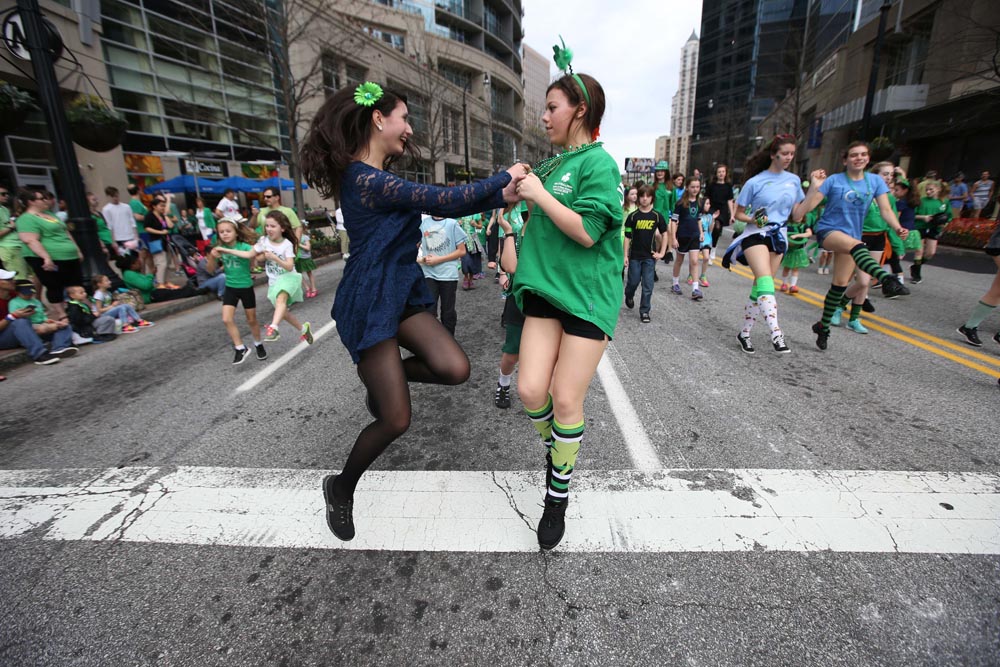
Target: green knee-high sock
[855,311]
[979,313]
[831,303]
[564,450]
[844,300]
[867,263]
[541,419]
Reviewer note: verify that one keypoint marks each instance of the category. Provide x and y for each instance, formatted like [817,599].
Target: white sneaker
[81,340]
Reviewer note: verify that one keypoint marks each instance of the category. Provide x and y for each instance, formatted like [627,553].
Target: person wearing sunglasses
[272,202]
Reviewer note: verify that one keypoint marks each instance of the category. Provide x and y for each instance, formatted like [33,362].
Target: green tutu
[290,283]
[913,241]
[304,264]
[795,259]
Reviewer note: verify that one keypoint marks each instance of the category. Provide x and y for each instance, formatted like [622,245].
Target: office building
[682,107]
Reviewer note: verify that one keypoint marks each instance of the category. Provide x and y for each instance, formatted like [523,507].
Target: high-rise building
[537,78]
[682,107]
[662,150]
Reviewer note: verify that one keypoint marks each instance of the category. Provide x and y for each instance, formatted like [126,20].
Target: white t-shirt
[228,207]
[283,250]
[121,221]
[339,215]
[206,231]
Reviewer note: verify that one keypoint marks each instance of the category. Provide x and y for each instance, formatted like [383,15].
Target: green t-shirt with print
[237,269]
[141,282]
[10,239]
[935,207]
[664,200]
[53,234]
[585,282]
[37,317]
[873,219]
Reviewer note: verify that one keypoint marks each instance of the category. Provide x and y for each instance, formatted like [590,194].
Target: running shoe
[240,356]
[784,287]
[745,343]
[704,282]
[892,288]
[128,328]
[501,397]
[690,279]
[306,334]
[996,337]
[835,320]
[868,306]
[552,526]
[46,360]
[822,335]
[66,352]
[675,289]
[339,513]
[271,334]
[696,295]
[793,289]
[81,340]
[971,335]
[644,318]
[629,302]
[857,327]
[261,352]
[779,344]
[142,324]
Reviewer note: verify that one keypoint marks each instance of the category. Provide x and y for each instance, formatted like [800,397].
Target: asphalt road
[167,397]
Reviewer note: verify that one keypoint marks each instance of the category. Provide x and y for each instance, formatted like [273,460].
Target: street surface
[159,506]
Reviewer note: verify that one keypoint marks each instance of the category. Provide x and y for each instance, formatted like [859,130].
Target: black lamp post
[72,190]
[866,117]
[465,127]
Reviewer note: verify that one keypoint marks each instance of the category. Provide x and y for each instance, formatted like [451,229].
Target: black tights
[716,233]
[437,359]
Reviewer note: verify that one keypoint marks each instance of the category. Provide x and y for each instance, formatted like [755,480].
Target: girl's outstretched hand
[816,178]
[530,188]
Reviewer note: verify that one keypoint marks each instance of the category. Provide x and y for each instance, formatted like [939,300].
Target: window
[395,40]
[451,129]
[906,61]
[460,78]
[418,172]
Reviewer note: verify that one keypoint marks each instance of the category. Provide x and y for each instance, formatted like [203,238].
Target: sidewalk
[153,311]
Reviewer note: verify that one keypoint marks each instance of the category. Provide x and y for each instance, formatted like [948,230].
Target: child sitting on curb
[101,328]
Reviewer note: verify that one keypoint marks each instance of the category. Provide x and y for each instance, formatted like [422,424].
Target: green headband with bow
[563,58]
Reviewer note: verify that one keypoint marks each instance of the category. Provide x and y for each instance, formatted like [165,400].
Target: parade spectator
[131,268]
[16,330]
[345,240]
[11,247]
[157,226]
[120,219]
[982,193]
[26,299]
[49,249]
[228,206]
[139,209]
[106,302]
[83,318]
[959,196]
[211,281]
[206,224]
[272,202]
[103,232]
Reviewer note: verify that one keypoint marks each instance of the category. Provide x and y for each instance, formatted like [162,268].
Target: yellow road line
[815,299]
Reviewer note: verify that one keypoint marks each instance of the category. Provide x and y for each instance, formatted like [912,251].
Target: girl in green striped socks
[849,194]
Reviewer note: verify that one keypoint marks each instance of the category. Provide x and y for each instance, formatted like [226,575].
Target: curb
[16,357]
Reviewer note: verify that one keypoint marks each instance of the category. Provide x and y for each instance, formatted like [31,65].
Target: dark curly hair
[338,132]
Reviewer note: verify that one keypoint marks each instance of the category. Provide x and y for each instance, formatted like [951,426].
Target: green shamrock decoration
[563,56]
[367,94]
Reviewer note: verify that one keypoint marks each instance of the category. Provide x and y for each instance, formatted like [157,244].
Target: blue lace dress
[382,217]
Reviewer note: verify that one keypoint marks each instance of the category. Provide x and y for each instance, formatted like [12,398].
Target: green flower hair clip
[367,94]
[563,56]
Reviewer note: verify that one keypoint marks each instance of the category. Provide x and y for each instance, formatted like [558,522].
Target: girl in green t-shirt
[235,252]
[568,282]
[933,214]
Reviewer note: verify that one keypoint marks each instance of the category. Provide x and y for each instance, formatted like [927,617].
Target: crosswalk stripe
[481,511]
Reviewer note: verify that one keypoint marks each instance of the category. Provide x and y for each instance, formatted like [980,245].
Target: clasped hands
[523,186]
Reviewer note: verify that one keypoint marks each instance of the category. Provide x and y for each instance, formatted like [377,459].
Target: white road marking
[640,448]
[285,358]
[612,511]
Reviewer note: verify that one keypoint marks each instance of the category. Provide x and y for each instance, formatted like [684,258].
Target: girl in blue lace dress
[381,302]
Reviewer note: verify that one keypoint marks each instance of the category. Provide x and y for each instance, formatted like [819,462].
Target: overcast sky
[632,47]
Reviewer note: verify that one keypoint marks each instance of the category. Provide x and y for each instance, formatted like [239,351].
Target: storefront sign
[209,169]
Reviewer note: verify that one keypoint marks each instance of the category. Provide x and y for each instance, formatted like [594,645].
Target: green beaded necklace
[544,168]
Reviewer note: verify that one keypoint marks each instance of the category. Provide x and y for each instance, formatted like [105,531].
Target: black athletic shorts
[759,239]
[692,244]
[874,240]
[233,295]
[992,252]
[536,306]
[933,232]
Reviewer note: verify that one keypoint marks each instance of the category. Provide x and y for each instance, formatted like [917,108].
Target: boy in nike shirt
[641,227]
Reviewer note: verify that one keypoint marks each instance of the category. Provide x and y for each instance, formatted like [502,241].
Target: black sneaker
[822,335]
[629,302]
[868,306]
[656,277]
[892,288]
[996,337]
[501,397]
[971,335]
[66,352]
[553,524]
[239,356]
[261,352]
[644,318]
[779,345]
[915,277]
[339,513]
[745,343]
[46,360]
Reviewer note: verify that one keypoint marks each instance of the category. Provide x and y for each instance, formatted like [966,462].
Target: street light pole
[465,127]
[71,183]
[866,117]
